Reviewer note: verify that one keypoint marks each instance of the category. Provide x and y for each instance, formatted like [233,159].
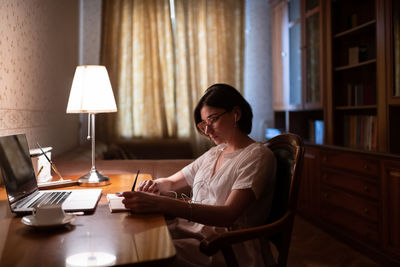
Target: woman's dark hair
[226,97]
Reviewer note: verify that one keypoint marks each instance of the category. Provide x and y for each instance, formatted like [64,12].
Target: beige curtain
[209,49]
[137,51]
[160,65]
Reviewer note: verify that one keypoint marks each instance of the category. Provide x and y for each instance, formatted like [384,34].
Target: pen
[51,163]
[133,186]
[40,170]
[134,183]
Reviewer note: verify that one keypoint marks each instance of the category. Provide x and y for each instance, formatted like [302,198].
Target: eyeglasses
[209,122]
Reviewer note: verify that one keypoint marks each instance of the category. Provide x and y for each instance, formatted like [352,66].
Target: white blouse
[250,167]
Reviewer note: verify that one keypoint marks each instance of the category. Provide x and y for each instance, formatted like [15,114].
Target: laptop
[21,185]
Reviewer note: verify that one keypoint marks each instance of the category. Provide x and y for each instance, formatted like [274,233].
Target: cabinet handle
[366,210]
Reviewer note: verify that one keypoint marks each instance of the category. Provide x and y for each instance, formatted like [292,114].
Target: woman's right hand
[149,186]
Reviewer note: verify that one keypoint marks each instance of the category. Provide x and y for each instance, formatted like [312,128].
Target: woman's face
[222,126]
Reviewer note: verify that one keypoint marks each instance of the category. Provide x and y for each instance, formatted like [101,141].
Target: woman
[232,183]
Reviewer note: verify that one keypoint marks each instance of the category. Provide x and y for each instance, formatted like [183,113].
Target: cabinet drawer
[350,222]
[351,161]
[357,205]
[352,183]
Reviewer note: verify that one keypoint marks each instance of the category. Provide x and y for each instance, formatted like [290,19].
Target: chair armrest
[212,245]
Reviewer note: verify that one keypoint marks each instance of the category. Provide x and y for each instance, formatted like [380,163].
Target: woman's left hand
[142,202]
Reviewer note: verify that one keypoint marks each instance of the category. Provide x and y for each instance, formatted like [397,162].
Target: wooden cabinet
[358,184]
[341,67]
[312,56]
[391,204]
[349,193]
[298,67]
[351,161]
[309,187]
[392,16]
[350,215]
[355,196]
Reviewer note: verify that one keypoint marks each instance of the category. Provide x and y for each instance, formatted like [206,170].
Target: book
[57,184]
[354,20]
[353,55]
[353,131]
[358,95]
[350,95]
[311,131]
[374,133]
[115,203]
[360,131]
[346,131]
[319,132]
[41,165]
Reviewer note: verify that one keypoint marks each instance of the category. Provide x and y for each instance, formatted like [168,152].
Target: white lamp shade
[91,91]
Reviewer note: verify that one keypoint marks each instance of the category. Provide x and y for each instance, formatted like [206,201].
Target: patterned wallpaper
[38,57]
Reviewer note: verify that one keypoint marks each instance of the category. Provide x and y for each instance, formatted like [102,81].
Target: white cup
[49,214]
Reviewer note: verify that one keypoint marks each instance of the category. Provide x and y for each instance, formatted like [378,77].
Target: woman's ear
[237,113]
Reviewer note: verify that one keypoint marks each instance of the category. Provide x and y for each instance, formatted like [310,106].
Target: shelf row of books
[359,54]
[316,131]
[360,94]
[360,131]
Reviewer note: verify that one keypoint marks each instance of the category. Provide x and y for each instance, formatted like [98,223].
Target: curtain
[162,58]
[137,51]
[210,45]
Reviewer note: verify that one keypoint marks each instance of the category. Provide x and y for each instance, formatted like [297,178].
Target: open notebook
[115,203]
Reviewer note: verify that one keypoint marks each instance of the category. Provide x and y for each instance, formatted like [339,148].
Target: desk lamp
[91,93]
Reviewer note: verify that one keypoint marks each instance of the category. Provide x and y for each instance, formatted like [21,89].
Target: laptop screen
[16,165]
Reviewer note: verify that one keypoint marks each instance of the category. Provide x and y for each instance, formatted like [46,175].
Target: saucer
[30,220]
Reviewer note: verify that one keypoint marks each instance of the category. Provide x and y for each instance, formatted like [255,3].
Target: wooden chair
[288,149]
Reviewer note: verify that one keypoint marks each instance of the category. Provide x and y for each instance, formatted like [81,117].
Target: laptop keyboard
[50,198]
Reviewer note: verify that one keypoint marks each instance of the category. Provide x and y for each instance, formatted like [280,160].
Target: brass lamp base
[94,178]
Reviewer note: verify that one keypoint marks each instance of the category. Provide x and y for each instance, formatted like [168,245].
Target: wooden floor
[312,247]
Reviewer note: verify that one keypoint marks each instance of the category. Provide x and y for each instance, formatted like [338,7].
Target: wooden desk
[130,238]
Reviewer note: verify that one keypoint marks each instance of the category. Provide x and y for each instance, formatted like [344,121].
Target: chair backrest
[288,150]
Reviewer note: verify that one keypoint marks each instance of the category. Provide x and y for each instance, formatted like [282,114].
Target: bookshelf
[350,184]
[353,79]
[393,74]
[299,73]
[339,60]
